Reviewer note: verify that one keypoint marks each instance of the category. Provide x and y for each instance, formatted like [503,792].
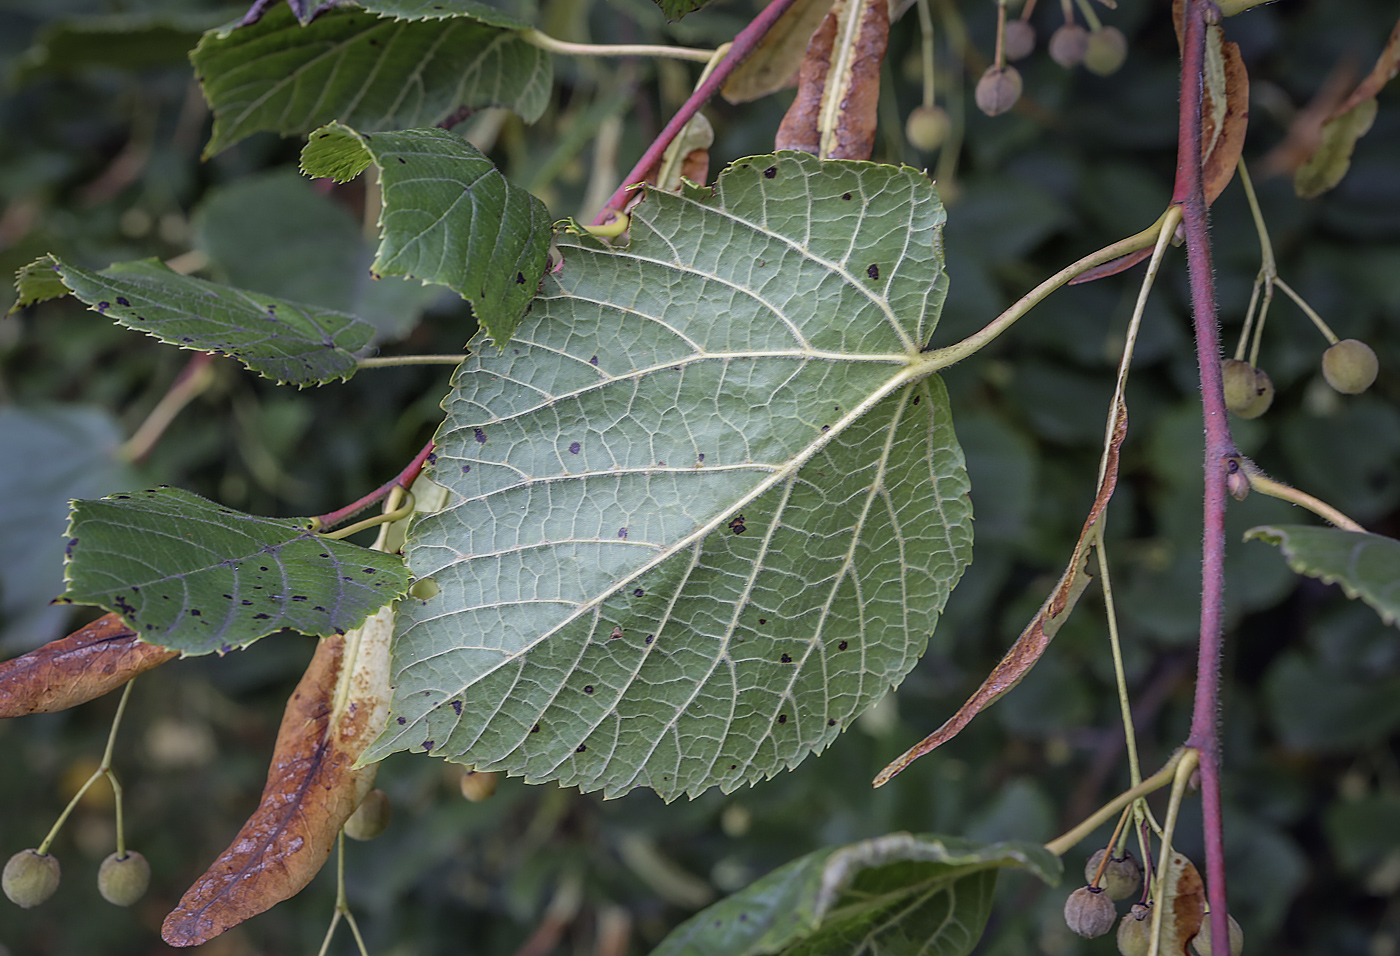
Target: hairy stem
[744,44]
[1063,843]
[192,380]
[1219,449]
[1262,483]
[390,361]
[403,480]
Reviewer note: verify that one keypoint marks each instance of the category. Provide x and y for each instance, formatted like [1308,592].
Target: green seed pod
[122,880]
[1239,383]
[1089,912]
[30,878]
[1350,366]
[1135,931]
[1201,942]
[1068,45]
[927,127]
[371,817]
[1263,395]
[1106,52]
[998,90]
[1122,877]
[1018,42]
[478,785]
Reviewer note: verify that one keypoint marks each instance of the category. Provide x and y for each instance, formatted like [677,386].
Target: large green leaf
[894,895]
[449,217]
[187,573]
[1367,566]
[368,71]
[284,341]
[711,503]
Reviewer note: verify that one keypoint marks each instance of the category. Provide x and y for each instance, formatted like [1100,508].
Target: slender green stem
[196,376]
[999,56]
[1317,319]
[945,174]
[388,517]
[1268,272]
[538,39]
[1067,840]
[926,33]
[103,770]
[1186,765]
[1268,266]
[388,361]
[1248,321]
[942,358]
[1090,17]
[1262,483]
[1264,304]
[1111,849]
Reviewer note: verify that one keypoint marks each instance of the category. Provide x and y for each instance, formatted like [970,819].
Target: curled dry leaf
[838,85]
[75,669]
[340,705]
[1023,654]
[1224,113]
[775,63]
[1182,905]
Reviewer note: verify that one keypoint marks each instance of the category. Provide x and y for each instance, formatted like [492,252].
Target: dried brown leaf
[1183,906]
[339,706]
[1023,654]
[775,63]
[1224,113]
[1387,65]
[838,93]
[1332,158]
[75,669]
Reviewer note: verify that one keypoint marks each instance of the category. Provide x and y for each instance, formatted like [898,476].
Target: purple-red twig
[744,44]
[403,480]
[1220,447]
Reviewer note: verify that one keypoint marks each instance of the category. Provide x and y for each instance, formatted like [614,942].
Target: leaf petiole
[404,510]
[564,47]
[1067,840]
[392,361]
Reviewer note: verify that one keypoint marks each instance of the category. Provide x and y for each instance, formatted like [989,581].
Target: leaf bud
[1122,877]
[1237,481]
[1106,51]
[1201,942]
[122,880]
[1089,912]
[1350,366]
[1135,931]
[1018,42]
[1068,45]
[998,90]
[371,817]
[478,785]
[30,878]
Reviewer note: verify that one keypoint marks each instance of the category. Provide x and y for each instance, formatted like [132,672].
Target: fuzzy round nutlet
[1201,942]
[30,878]
[927,127]
[478,785]
[1248,390]
[1089,912]
[371,817]
[1018,42]
[1068,45]
[122,880]
[1106,52]
[1135,931]
[1263,395]
[998,90]
[1350,366]
[1122,878]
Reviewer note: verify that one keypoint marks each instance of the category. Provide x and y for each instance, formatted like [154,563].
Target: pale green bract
[709,503]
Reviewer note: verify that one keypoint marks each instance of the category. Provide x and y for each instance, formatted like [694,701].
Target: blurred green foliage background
[99,162]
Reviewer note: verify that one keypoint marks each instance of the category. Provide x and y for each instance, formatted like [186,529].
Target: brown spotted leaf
[775,63]
[1028,648]
[1224,113]
[75,669]
[313,786]
[838,85]
[1183,906]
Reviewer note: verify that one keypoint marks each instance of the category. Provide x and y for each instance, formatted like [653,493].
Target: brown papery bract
[75,669]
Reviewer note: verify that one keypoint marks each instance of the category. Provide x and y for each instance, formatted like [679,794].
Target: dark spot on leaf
[103,306]
[402,721]
[228,597]
[737,524]
[122,497]
[826,428]
[368,570]
[150,627]
[841,646]
[782,718]
[401,159]
[770,172]
[121,300]
[702,456]
[916,399]
[480,436]
[325,554]
[574,448]
[466,468]
[247,603]
[787,659]
[845,195]
[186,338]
[520,278]
[196,612]
[638,592]
[763,620]
[873,271]
[431,459]
[593,361]
[581,748]
[831,723]
[299,597]
[535,729]
[622,533]
[262,569]
[650,638]
[457,707]
[319,608]
[734,766]
[260,617]
[588,688]
[428,745]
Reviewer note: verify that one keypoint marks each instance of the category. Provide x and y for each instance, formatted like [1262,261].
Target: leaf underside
[708,512]
[188,574]
[368,71]
[898,894]
[287,342]
[1367,566]
[449,217]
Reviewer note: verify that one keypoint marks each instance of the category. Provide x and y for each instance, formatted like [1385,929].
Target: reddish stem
[402,480]
[744,44]
[1220,447]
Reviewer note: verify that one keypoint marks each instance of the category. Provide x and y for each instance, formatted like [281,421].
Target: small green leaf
[920,895]
[188,574]
[368,71]
[449,217]
[38,282]
[284,341]
[1367,566]
[1332,158]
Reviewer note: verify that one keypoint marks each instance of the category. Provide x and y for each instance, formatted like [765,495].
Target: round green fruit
[1135,931]
[479,785]
[1248,390]
[1068,45]
[998,90]
[1018,42]
[1122,878]
[30,878]
[371,817]
[1106,51]
[1350,366]
[1201,942]
[1089,912]
[927,127]
[122,880]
